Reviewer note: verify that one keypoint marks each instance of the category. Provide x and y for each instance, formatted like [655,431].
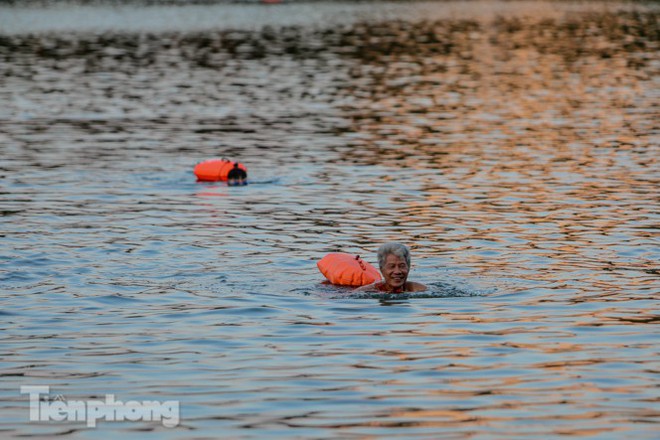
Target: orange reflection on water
[520,127]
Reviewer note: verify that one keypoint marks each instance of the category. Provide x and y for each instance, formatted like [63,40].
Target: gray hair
[397,249]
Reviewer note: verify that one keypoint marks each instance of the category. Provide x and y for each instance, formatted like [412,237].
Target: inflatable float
[215,170]
[347,270]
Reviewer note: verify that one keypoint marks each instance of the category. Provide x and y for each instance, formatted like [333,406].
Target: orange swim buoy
[347,270]
[214,170]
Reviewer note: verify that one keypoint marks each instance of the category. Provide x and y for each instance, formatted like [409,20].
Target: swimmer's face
[395,271]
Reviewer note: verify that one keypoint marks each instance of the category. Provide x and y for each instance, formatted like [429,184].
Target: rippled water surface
[513,146]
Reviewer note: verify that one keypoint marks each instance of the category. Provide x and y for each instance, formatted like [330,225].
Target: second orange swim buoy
[214,170]
[347,270]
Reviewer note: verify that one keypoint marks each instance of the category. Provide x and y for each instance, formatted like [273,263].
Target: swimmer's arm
[368,288]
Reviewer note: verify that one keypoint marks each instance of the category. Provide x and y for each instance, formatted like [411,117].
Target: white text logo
[89,411]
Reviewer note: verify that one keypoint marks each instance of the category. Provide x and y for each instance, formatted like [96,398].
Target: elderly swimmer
[394,263]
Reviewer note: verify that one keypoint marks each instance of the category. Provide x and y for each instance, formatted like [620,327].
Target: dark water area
[513,146]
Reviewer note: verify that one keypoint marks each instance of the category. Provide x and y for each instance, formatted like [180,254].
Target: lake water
[513,146]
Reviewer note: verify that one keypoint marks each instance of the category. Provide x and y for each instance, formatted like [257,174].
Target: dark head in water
[236,176]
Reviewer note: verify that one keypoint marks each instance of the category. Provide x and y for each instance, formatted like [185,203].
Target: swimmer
[236,176]
[394,263]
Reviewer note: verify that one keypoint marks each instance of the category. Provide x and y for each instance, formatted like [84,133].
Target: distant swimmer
[236,176]
[394,264]
[218,170]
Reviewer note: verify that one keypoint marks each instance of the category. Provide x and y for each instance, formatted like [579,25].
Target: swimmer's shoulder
[411,286]
[415,287]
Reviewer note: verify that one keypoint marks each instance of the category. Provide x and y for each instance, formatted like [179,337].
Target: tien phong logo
[59,409]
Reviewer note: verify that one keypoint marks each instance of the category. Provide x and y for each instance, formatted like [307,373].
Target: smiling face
[395,271]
